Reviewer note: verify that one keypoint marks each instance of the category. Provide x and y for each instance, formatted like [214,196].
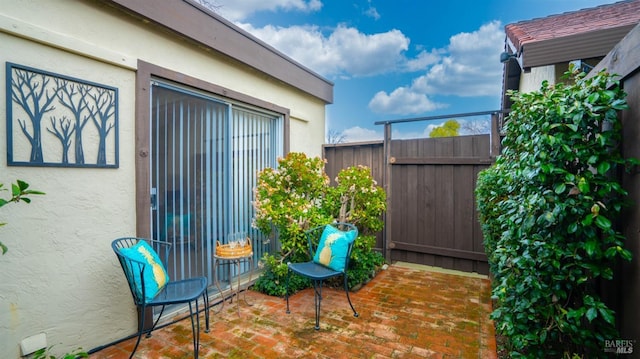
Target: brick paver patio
[405,312]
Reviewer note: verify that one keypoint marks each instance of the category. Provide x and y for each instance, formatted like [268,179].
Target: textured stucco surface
[59,276]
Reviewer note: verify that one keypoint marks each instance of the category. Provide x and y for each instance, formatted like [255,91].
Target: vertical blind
[205,156]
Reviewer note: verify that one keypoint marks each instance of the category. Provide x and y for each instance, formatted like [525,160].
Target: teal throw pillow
[155,275]
[333,247]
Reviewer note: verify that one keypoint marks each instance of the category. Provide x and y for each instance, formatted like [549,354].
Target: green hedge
[547,209]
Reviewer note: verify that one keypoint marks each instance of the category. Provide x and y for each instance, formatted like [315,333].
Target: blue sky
[395,59]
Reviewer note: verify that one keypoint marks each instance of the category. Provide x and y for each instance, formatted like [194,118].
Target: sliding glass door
[205,155]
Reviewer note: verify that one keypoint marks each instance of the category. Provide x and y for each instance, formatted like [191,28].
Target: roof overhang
[585,45]
[192,21]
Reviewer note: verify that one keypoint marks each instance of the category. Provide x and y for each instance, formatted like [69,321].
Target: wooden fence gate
[431,216]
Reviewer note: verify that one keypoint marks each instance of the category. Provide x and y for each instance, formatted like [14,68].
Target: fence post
[387,188]
[494,149]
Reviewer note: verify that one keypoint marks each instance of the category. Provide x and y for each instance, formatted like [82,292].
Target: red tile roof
[619,14]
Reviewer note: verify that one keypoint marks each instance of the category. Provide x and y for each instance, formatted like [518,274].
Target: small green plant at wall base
[548,208]
[363,266]
[19,192]
[272,281]
[44,354]
[297,196]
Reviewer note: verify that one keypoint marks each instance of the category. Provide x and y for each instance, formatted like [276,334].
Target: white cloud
[467,67]
[238,10]
[403,101]
[428,129]
[372,12]
[344,52]
[470,68]
[423,60]
[359,134]
[398,134]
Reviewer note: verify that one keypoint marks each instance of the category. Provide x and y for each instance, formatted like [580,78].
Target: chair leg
[286,290]
[195,329]
[155,323]
[346,290]
[141,316]
[206,310]
[317,289]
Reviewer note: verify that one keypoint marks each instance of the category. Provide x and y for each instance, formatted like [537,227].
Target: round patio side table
[229,256]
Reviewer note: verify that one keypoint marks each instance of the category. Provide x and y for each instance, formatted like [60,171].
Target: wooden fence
[431,216]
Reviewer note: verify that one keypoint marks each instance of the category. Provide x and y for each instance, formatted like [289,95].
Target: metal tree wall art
[63,134]
[49,114]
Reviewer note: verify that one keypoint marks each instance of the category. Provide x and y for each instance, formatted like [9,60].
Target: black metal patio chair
[330,247]
[151,287]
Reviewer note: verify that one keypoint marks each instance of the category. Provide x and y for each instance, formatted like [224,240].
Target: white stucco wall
[306,135]
[60,276]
